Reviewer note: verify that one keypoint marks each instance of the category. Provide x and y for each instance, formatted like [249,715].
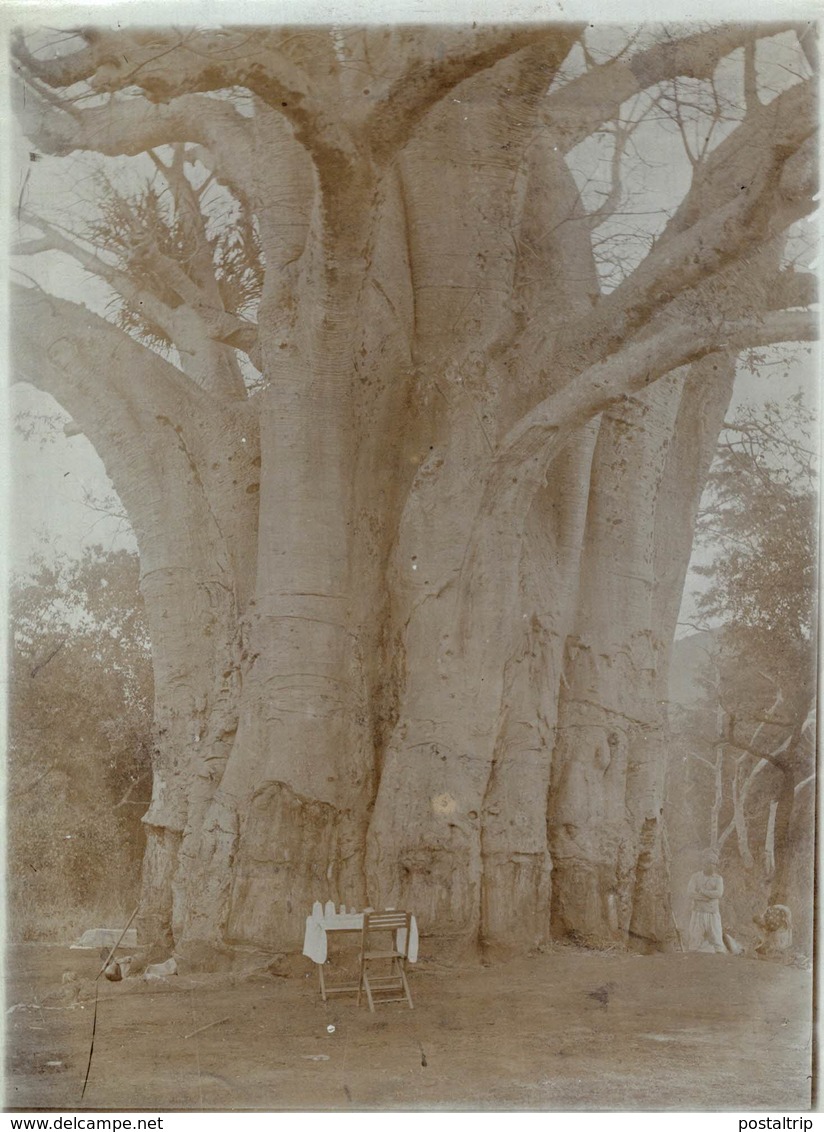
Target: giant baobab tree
[411,425]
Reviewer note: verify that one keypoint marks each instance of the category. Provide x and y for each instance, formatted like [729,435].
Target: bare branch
[751,99]
[60,346]
[130,126]
[642,361]
[214,322]
[773,757]
[806,782]
[54,240]
[49,656]
[807,39]
[701,240]
[613,198]
[17,792]
[585,104]
[126,800]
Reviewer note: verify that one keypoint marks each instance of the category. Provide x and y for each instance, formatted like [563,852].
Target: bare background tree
[411,409]
[743,757]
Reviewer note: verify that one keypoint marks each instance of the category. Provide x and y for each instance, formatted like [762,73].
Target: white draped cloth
[319,923]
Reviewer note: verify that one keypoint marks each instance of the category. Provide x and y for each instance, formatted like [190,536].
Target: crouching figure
[777,930]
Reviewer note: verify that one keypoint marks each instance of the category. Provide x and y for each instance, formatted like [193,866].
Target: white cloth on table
[412,950]
[315,940]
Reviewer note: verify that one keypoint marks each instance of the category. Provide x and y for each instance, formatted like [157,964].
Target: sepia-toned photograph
[412,562]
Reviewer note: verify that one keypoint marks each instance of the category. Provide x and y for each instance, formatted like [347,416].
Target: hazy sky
[52,479]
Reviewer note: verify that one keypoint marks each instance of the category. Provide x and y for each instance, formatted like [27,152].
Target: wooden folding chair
[392,950]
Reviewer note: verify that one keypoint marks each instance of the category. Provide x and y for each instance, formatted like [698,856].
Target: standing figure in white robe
[705,890]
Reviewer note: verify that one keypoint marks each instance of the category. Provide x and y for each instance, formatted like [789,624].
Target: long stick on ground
[120,937]
[208,1026]
[94,1020]
[677,929]
[91,1045]
[669,898]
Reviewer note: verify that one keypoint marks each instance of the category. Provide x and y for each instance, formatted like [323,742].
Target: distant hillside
[690,665]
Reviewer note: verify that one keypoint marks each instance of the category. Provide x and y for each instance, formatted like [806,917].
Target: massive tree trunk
[605,806]
[411,596]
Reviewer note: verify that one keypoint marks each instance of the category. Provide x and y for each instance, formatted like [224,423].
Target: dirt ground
[564,1030]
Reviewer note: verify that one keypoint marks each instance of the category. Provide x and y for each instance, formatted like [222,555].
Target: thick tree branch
[214,323]
[585,104]
[668,346]
[218,324]
[164,63]
[773,757]
[126,800]
[424,81]
[31,247]
[126,127]
[222,59]
[155,431]
[168,66]
[520,464]
[793,289]
[735,204]
[54,240]
[59,347]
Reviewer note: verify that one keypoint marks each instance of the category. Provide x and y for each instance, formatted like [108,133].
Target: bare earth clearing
[563,1030]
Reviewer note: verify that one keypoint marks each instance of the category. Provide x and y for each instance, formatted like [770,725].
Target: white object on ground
[106,937]
[161,970]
